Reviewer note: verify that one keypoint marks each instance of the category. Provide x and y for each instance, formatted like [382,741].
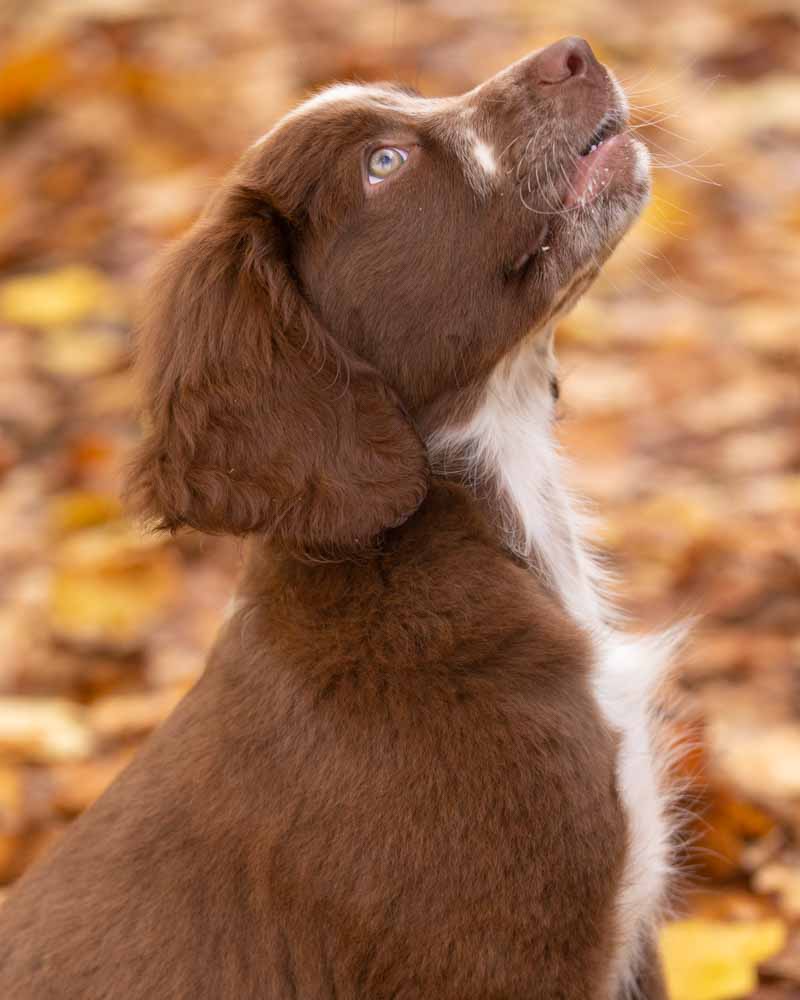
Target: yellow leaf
[712,960]
[110,586]
[60,297]
[80,509]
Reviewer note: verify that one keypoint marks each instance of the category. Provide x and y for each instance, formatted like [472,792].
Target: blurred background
[681,391]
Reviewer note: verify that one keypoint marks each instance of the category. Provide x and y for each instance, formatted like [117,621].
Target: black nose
[568,59]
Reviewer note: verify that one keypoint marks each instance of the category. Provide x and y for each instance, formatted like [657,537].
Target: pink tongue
[588,170]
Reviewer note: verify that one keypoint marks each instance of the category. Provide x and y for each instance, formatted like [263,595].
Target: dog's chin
[598,221]
[600,205]
[629,195]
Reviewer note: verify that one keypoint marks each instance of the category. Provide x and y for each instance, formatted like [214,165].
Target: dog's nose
[568,59]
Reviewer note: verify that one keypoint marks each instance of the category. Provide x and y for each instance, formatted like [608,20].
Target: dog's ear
[257,419]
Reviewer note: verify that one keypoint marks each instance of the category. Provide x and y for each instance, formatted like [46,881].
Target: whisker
[656,123]
[690,177]
[663,231]
[508,147]
[674,101]
[694,163]
[672,205]
[681,71]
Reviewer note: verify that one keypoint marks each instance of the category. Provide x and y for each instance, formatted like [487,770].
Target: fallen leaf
[712,960]
[43,730]
[54,298]
[110,586]
[71,512]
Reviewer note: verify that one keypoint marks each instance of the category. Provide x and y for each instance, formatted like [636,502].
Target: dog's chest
[626,675]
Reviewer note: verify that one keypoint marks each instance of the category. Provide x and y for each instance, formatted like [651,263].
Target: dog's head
[358,276]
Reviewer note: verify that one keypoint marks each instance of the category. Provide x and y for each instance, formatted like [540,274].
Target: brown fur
[392,780]
[366,795]
[260,421]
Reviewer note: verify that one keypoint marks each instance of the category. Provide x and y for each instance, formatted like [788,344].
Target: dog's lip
[610,125]
[594,171]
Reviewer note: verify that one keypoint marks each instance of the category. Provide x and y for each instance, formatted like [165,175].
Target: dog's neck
[508,455]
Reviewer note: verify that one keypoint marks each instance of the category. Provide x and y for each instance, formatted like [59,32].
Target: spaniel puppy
[418,764]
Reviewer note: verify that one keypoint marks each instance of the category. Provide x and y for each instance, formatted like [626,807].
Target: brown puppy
[418,763]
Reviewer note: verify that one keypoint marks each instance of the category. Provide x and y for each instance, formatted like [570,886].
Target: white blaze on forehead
[383,98]
[480,164]
[331,95]
[484,154]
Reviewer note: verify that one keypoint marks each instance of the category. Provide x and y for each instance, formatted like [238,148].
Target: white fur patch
[510,440]
[628,673]
[484,155]
[642,162]
[338,93]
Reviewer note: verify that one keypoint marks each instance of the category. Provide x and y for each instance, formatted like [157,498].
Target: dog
[421,762]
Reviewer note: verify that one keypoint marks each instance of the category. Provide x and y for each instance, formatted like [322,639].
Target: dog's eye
[385,161]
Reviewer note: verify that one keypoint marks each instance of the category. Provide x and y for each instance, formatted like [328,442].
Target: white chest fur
[508,445]
[626,678]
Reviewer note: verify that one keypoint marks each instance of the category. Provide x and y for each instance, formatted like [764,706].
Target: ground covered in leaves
[681,392]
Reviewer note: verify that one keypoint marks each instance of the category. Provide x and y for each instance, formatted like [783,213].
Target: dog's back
[376,790]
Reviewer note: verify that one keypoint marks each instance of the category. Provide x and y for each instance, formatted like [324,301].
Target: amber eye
[385,161]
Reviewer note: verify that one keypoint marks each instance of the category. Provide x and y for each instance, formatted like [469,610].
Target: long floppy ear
[258,420]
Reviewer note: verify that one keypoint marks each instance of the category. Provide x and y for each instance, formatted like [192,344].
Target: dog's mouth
[611,124]
[595,165]
[601,161]
[590,159]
